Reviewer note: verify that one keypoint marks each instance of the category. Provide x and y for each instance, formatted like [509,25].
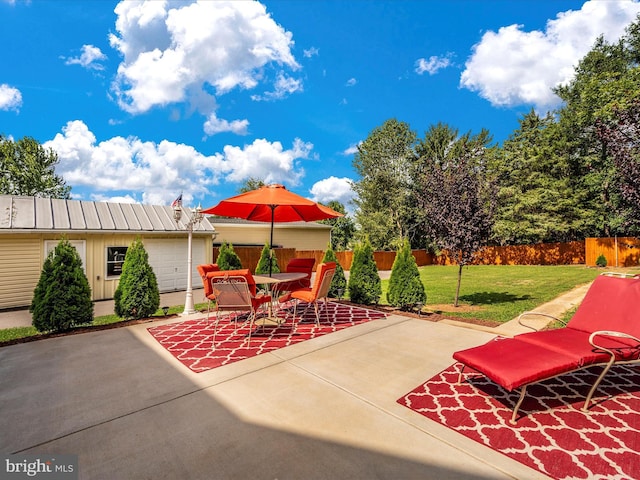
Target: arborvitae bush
[601,261]
[62,297]
[263,263]
[339,283]
[364,282]
[137,295]
[227,258]
[405,287]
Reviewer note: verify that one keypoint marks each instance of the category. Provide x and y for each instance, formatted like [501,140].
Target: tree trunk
[458,287]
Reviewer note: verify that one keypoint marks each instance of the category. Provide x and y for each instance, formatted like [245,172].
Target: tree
[267,258]
[251,184]
[62,297]
[137,294]
[339,281]
[227,258]
[457,198]
[621,137]
[383,162]
[606,78]
[405,287]
[364,281]
[535,200]
[26,168]
[343,228]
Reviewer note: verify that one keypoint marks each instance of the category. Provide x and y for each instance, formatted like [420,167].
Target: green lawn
[8,334]
[500,292]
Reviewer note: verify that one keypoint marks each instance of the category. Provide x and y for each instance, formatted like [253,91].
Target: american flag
[177,202]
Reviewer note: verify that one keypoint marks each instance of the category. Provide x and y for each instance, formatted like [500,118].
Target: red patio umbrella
[272,203]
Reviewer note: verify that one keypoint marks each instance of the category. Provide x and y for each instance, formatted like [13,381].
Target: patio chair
[234,291]
[295,265]
[203,270]
[605,330]
[319,290]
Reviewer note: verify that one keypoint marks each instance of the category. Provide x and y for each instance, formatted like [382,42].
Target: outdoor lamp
[194,221]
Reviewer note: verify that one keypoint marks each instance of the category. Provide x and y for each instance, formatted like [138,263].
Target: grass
[16,333]
[499,293]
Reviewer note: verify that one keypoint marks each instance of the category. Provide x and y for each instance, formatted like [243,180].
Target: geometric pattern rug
[552,434]
[191,341]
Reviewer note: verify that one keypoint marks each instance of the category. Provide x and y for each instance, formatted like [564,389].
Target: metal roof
[22,214]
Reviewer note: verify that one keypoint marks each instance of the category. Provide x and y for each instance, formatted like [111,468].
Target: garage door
[168,258]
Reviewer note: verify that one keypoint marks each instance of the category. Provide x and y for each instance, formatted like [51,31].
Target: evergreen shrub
[405,287]
[364,283]
[227,258]
[263,263]
[62,297]
[601,261]
[137,295]
[339,283]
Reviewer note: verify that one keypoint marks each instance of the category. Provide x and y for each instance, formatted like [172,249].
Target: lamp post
[193,221]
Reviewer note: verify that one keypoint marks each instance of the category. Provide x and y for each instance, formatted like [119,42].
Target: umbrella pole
[273,208]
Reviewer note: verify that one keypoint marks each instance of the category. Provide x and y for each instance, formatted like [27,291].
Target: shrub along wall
[623,252]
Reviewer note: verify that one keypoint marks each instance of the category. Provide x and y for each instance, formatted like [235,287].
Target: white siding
[20,266]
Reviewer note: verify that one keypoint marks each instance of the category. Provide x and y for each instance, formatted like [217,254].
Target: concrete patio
[325,408]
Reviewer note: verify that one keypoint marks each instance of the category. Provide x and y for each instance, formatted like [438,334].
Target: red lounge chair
[605,330]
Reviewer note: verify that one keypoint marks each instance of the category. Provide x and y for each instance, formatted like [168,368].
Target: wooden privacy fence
[618,251]
[571,253]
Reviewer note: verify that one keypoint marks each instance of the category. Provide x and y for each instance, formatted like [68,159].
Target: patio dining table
[271,282]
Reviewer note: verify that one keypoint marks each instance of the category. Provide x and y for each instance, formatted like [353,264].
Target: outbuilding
[101,232]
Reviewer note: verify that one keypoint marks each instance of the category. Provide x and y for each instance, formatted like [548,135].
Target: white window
[115,260]
[79,245]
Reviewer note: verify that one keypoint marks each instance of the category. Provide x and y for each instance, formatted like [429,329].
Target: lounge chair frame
[609,347]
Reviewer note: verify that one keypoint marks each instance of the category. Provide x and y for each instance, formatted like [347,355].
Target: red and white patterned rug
[551,435]
[191,341]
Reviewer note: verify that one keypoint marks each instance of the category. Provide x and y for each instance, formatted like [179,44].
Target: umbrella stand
[273,209]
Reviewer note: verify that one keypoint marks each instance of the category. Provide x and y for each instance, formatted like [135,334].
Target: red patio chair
[319,290]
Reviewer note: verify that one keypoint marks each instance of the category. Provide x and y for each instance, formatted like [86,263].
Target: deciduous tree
[458,199]
[383,162]
[26,168]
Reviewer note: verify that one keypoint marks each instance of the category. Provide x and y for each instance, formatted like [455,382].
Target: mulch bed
[427,316]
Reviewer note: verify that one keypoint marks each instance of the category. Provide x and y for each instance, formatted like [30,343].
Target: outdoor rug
[554,437]
[191,341]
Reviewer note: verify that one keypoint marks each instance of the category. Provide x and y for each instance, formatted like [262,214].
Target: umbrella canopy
[272,203]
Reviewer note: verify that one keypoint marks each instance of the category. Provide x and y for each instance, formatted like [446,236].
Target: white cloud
[333,188]
[89,58]
[172,49]
[10,98]
[351,82]
[311,52]
[156,171]
[284,86]
[215,125]
[352,150]
[267,161]
[432,65]
[513,66]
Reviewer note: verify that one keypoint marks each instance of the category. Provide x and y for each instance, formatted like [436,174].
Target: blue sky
[144,100]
